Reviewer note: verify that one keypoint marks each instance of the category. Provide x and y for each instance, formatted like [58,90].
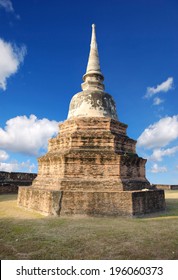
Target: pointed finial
[93,66]
[93,44]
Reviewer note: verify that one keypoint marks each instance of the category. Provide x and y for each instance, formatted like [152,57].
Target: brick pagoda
[91,167]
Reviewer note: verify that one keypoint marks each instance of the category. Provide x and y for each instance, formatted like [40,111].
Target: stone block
[91,203]
[44,201]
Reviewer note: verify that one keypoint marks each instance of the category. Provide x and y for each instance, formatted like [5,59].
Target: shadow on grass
[8,197]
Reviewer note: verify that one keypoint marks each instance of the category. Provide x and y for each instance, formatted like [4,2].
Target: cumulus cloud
[11,56]
[3,155]
[158,169]
[27,135]
[157,101]
[7,5]
[15,166]
[158,154]
[163,87]
[160,133]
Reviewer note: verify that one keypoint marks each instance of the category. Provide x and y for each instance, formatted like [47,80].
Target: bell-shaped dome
[92,104]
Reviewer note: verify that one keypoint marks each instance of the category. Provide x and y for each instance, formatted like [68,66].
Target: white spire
[93,67]
[93,61]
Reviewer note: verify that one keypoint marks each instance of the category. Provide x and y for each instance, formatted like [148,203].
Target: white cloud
[27,135]
[158,154]
[3,155]
[163,87]
[7,5]
[15,166]
[11,57]
[157,101]
[158,169]
[160,133]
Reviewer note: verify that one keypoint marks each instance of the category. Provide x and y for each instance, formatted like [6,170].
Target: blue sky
[44,47]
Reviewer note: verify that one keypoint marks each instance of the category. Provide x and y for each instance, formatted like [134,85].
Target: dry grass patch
[28,235]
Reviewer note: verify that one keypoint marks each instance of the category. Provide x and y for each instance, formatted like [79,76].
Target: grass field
[28,235]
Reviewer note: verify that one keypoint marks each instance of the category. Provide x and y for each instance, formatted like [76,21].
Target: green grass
[28,235]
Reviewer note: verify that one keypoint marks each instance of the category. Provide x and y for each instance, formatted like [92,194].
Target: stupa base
[116,203]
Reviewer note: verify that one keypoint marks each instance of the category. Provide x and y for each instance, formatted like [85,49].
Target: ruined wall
[10,181]
[165,187]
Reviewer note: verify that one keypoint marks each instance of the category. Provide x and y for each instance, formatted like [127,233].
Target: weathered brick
[91,169]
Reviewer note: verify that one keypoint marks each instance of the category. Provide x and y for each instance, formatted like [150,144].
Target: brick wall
[165,187]
[62,203]
[10,181]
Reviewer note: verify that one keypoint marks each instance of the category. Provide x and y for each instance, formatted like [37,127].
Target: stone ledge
[62,203]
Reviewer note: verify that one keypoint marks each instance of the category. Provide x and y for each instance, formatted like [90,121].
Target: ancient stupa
[91,167]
